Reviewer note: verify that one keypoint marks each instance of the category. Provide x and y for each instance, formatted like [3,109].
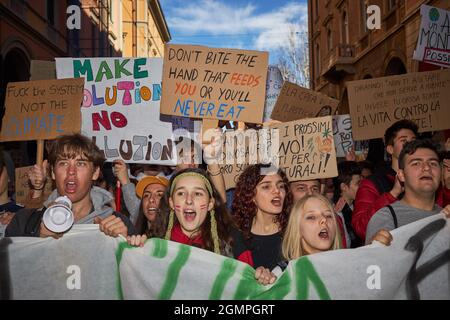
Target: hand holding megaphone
[58,217]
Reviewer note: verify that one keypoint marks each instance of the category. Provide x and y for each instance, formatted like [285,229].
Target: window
[363,5]
[317,61]
[345,37]
[50,11]
[329,39]
[391,4]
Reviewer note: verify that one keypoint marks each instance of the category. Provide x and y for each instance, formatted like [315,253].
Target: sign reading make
[433,44]
[43,109]
[121,107]
[223,84]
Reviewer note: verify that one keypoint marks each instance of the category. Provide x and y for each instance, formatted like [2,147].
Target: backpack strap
[394,216]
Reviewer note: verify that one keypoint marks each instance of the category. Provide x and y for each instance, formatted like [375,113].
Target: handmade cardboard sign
[295,103]
[212,83]
[121,107]
[241,148]
[342,133]
[307,149]
[433,44]
[23,188]
[375,104]
[43,109]
[42,70]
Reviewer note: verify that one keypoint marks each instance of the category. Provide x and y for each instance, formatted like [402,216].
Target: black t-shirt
[265,249]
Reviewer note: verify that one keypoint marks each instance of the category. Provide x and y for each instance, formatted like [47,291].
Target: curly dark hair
[243,207]
[223,218]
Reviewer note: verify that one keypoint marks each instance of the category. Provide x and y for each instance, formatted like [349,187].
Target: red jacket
[368,201]
[443,196]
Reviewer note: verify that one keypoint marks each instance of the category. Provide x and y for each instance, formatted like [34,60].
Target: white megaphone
[59,216]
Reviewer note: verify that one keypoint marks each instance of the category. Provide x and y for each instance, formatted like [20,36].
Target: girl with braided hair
[196,213]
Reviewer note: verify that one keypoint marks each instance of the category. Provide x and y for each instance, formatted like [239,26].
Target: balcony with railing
[340,62]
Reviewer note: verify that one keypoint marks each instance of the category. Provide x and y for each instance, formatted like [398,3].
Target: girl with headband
[260,207]
[196,213]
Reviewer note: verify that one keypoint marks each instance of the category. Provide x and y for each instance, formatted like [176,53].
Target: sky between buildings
[252,25]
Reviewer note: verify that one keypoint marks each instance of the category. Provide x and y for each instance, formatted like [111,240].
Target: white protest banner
[433,44]
[307,149]
[342,133]
[121,107]
[86,264]
[273,88]
[375,104]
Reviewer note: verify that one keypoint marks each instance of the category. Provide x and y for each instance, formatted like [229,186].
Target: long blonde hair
[292,246]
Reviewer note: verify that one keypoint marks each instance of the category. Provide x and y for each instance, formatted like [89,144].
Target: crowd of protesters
[266,221]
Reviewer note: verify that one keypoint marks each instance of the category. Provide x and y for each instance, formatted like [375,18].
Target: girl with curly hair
[260,207]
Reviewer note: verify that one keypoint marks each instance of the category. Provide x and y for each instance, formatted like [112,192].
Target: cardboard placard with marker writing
[214,83]
[375,104]
[342,133]
[42,109]
[307,149]
[23,188]
[295,103]
[242,148]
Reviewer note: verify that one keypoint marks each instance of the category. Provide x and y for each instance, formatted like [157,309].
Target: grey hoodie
[100,200]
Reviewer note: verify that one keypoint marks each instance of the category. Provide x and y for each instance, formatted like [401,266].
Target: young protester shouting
[196,213]
[75,163]
[384,187]
[260,207]
[312,228]
[420,174]
[187,151]
[151,222]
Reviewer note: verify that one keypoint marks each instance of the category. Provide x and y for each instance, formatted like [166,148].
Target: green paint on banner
[248,287]
[279,290]
[305,272]
[226,272]
[122,246]
[160,248]
[173,272]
